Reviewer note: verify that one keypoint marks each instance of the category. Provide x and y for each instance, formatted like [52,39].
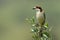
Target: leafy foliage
[35,30]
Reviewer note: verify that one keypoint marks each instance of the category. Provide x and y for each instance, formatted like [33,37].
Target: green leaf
[32,20]
[46,25]
[33,25]
[50,29]
[35,37]
[28,20]
[34,30]
[46,34]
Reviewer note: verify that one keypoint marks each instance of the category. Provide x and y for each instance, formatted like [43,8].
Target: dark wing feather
[44,19]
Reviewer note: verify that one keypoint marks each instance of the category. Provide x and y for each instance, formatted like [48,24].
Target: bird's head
[37,8]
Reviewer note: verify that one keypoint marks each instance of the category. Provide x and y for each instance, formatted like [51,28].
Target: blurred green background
[14,12]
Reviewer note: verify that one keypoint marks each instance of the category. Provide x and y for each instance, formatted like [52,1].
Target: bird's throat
[37,12]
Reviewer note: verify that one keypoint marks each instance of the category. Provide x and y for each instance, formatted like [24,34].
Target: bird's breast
[40,17]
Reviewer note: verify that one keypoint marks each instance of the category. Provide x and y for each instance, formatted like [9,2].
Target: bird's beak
[34,8]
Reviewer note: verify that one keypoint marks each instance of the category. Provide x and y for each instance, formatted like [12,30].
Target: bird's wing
[44,17]
[44,14]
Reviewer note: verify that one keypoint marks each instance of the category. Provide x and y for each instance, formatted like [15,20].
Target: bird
[40,18]
[40,15]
